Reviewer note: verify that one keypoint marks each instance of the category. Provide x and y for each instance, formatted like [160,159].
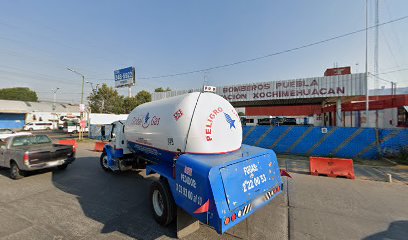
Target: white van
[73,127]
[32,126]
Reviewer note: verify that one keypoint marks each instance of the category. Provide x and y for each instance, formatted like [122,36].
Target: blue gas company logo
[146,122]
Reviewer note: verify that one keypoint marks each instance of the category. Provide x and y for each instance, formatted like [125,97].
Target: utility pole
[129,91]
[82,92]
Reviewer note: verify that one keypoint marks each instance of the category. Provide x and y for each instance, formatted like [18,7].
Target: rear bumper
[233,218]
[50,164]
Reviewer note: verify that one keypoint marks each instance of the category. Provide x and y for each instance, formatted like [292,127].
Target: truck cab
[116,155]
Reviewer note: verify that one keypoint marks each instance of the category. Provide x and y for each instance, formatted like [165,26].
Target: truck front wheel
[162,203]
[104,161]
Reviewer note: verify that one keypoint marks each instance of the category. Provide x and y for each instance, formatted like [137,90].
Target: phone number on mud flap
[189,194]
[256,181]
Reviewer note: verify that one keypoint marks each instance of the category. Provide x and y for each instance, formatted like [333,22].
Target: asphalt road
[84,202]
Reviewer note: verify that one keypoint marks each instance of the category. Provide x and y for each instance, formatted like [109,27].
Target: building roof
[104,118]
[313,90]
[305,91]
[9,106]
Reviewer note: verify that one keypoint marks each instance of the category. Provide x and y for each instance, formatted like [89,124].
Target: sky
[40,39]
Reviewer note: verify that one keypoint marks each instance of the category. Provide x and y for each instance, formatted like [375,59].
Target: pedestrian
[102,133]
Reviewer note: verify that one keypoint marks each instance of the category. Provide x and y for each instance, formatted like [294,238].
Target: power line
[276,53]
[399,70]
[25,71]
[25,75]
[59,93]
[376,76]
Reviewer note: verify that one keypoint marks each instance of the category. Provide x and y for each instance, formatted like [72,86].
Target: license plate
[55,163]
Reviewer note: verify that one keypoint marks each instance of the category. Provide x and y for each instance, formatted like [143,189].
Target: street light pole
[83,82]
[82,98]
[94,90]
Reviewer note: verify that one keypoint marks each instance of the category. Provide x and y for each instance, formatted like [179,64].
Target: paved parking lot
[84,202]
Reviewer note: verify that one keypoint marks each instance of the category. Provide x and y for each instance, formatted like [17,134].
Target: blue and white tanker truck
[194,142]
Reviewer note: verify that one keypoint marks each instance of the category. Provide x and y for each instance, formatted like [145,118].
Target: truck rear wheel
[103,160]
[15,172]
[162,203]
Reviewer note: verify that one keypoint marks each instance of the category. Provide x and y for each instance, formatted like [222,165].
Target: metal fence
[364,143]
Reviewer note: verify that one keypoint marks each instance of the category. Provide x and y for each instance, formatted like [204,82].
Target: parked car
[5,133]
[32,126]
[33,152]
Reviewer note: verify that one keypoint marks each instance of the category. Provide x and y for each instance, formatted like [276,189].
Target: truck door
[3,152]
[112,133]
[3,147]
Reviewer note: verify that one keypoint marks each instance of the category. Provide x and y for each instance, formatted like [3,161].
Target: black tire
[74,132]
[162,203]
[48,128]
[62,167]
[15,172]
[30,129]
[103,160]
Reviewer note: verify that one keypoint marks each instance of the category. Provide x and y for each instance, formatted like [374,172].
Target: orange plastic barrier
[99,146]
[332,167]
[69,142]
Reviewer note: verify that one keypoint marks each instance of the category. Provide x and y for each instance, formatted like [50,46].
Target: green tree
[160,89]
[143,97]
[18,93]
[129,103]
[106,100]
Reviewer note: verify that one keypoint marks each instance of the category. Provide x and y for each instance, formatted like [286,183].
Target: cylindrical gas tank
[198,123]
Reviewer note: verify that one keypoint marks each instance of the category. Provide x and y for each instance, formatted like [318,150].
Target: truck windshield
[30,140]
[70,124]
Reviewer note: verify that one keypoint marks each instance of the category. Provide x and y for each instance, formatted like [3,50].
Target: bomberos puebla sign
[333,86]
